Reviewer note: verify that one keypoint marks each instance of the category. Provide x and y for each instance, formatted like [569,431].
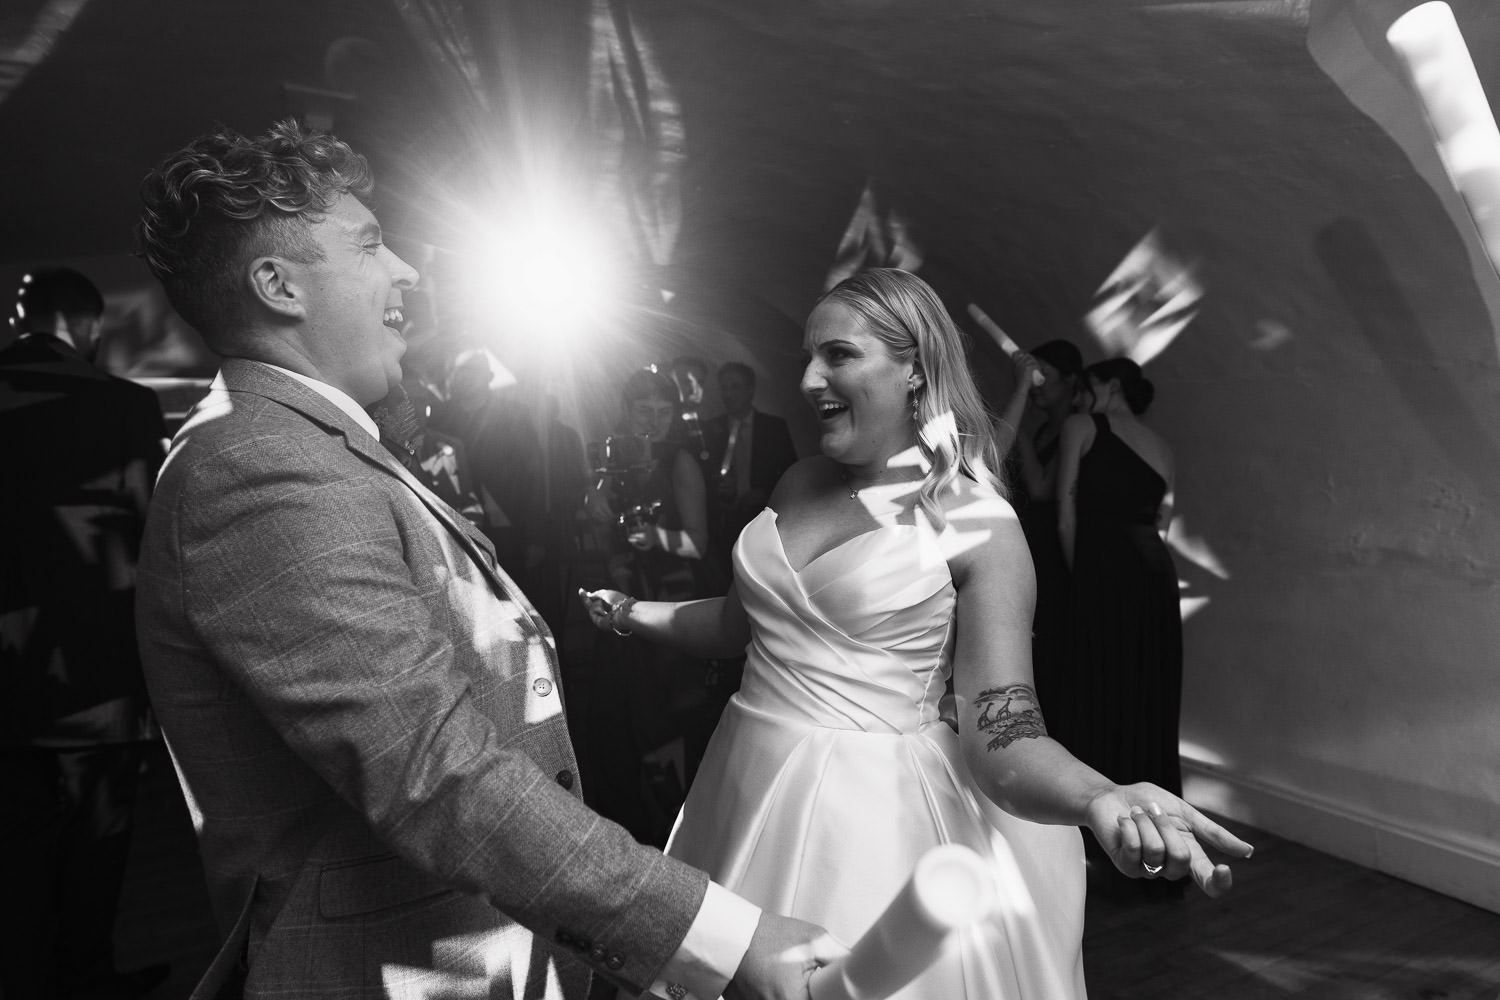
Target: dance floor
[1298,924]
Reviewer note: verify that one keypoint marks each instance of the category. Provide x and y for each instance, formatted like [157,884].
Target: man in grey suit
[364,710]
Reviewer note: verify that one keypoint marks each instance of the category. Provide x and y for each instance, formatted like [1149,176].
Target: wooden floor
[1298,924]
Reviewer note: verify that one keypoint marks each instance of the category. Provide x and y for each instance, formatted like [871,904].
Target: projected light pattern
[35,41]
[1294,13]
[878,235]
[1149,298]
[1438,66]
[1196,551]
[473,966]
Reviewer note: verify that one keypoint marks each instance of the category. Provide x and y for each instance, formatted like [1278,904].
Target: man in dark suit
[748,450]
[361,703]
[82,449]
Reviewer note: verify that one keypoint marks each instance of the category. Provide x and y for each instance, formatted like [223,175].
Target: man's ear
[275,284]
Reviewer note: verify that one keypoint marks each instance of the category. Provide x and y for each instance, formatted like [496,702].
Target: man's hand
[784,953]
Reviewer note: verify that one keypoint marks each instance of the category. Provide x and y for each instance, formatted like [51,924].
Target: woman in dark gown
[1119,708]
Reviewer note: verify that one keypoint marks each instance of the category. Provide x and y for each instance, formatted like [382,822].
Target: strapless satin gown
[831,771]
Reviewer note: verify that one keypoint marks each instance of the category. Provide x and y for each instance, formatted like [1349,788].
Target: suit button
[597,953]
[615,962]
[542,686]
[565,778]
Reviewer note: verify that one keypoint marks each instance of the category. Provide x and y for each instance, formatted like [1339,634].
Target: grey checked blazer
[367,714]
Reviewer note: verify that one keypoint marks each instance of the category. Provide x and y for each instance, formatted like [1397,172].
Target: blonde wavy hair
[953,425]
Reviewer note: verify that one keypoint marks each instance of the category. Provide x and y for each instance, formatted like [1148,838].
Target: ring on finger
[1152,870]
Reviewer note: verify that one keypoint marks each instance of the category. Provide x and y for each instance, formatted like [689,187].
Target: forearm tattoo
[1008,714]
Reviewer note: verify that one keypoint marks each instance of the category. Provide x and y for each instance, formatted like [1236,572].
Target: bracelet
[623,604]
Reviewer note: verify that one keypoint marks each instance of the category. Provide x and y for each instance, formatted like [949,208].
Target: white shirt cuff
[711,953]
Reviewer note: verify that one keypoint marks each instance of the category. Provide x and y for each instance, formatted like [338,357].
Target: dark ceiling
[1018,149]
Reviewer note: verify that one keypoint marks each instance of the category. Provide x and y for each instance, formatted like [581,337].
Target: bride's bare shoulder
[982,532]
[803,478]
[971,501]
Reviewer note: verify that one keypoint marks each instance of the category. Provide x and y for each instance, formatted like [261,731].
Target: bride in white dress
[880,568]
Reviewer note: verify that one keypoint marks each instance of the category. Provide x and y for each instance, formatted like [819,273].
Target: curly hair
[953,426]
[224,199]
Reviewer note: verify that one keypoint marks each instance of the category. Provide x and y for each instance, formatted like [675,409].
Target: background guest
[500,443]
[690,374]
[83,450]
[748,449]
[659,493]
[1119,702]
[564,478]
[1032,422]
[650,713]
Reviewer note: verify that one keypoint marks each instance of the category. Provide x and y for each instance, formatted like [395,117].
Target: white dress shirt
[337,397]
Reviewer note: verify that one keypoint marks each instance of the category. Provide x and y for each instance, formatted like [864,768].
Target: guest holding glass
[650,711]
[655,494]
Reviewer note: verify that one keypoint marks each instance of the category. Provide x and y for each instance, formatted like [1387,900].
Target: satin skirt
[827,824]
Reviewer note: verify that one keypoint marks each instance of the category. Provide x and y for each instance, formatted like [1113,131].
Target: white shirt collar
[337,397]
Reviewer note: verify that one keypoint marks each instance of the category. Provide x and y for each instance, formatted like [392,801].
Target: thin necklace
[854,490]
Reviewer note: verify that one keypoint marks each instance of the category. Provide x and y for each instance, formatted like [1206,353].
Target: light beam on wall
[28,48]
[1150,297]
[1439,69]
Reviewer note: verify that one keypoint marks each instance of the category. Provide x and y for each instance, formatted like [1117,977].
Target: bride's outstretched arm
[713,628]
[1147,830]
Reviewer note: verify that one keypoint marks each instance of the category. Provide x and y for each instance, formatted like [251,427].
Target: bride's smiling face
[857,387]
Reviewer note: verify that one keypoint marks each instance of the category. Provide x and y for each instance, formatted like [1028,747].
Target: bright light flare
[549,274]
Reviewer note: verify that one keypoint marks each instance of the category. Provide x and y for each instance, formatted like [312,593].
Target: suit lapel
[251,376]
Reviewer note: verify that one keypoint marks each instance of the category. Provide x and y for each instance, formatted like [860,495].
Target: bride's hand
[598,604]
[1151,833]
